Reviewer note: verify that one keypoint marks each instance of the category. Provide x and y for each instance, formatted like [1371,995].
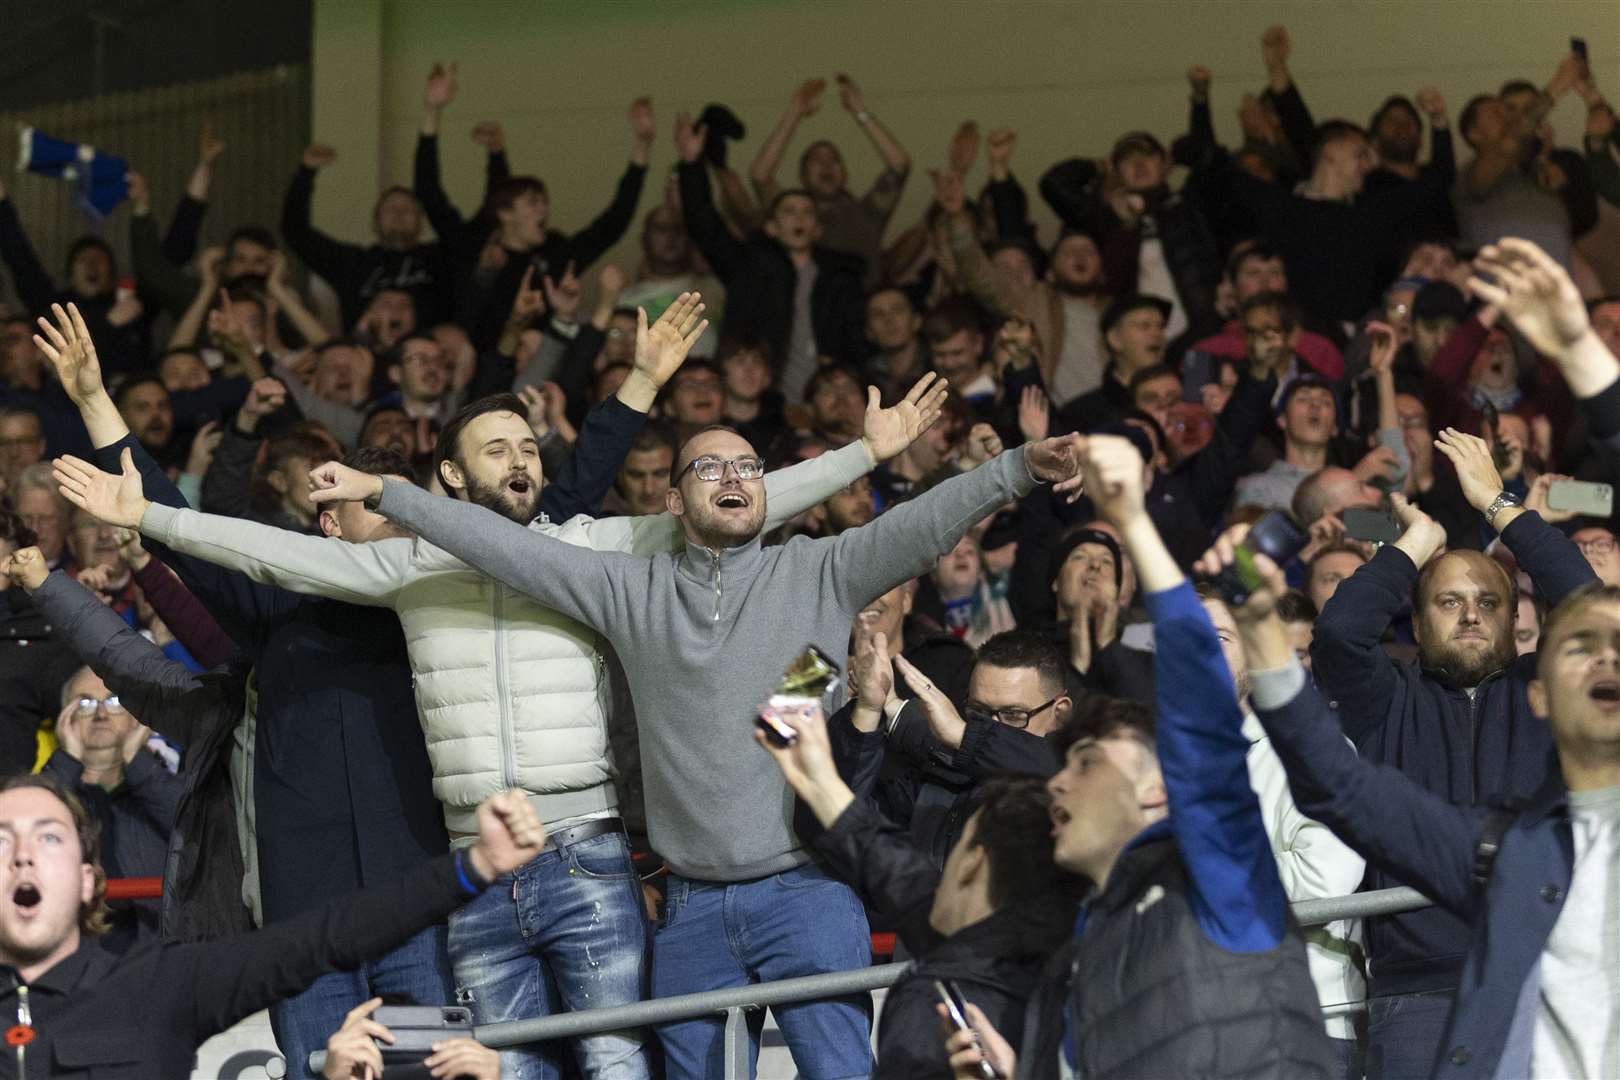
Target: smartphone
[415,1029]
[1198,370]
[777,733]
[1374,525]
[1582,497]
[1277,538]
[956,1009]
[1578,47]
[1499,453]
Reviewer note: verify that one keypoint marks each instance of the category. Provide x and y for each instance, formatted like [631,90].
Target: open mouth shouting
[520,485]
[26,898]
[1060,819]
[1606,693]
[732,499]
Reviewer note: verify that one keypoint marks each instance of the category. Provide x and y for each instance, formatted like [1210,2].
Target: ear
[769,229]
[1151,793]
[973,862]
[908,597]
[451,476]
[393,374]
[1537,692]
[1062,710]
[673,501]
[1112,337]
[329,524]
[87,886]
[277,482]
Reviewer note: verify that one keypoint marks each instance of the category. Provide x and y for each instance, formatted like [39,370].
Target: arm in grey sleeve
[342,421]
[371,574]
[577,581]
[133,668]
[903,542]
[791,491]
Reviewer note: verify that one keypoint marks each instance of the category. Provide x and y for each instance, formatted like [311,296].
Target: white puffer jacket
[509,693]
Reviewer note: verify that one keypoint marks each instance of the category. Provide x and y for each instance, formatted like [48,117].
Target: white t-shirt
[1153,279]
[1577,1030]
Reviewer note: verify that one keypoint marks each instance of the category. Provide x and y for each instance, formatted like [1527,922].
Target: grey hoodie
[704,637]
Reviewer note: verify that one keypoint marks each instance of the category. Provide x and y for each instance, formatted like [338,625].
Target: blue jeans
[417,969]
[799,922]
[1404,1033]
[566,931]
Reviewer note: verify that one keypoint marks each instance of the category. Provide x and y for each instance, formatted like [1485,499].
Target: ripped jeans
[566,931]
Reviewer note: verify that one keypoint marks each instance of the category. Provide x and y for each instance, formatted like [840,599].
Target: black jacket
[34,664]
[994,962]
[1466,749]
[143,1015]
[1074,191]
[202,881]
[1144,992]
[759,279]
[1432,844]
[920,785]
[485,300]
[358,273]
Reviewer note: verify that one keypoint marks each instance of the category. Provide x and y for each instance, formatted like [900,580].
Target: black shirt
[142,1016]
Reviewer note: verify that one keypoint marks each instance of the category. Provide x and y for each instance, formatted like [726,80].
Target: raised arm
[575,580]
[895,159]
[1214,812]
[904,542]
[724,252]
[1347,654]
[1418,837]
[219,983]
[34,286]
[369,573]
[321,253]
[805,101]
[133,668]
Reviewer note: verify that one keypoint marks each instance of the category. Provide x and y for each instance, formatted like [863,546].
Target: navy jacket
[1465,750]
[1420,839]
[341,773]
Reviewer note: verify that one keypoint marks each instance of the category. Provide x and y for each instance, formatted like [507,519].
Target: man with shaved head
[1457,722]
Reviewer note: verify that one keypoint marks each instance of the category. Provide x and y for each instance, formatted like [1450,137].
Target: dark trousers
[1404,1033]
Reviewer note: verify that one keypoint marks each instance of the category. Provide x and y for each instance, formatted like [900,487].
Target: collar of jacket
[87,961]
[1551,798]
[698,562]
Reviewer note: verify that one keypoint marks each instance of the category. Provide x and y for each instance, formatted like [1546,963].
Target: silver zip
[715,555]
[503,700]
[25,1018]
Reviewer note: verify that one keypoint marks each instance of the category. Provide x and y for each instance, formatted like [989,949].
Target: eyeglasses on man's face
[710,468]
[1012,717]
[87,706]
[1601,545]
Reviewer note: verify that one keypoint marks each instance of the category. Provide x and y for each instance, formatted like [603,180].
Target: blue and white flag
[102,180]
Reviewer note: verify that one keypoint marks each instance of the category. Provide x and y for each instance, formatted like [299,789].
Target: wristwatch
[1498,504]
[863,118]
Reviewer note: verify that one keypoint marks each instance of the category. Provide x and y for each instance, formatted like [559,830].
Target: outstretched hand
[116,500]
[662,347]
[1115,477]
[71,353]
[1422,537]
[1534,292]
[889,431]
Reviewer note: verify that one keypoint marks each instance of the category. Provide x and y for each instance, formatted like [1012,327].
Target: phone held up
[809,680]
[1277,538]
[956,1008]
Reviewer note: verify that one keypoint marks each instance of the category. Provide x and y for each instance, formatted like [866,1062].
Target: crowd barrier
[735,1003]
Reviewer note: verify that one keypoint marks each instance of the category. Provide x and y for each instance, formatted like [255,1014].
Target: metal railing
[735,1003]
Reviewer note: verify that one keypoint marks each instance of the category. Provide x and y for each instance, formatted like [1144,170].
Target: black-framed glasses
[710,468]
[1012,717]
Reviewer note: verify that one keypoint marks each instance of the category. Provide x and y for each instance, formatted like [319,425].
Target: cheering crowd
[418,646]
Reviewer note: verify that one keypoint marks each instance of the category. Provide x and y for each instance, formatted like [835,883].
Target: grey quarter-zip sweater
[704,637]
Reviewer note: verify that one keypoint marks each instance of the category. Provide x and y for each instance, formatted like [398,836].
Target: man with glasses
[705,634]
[100,757]
[1598,545]
[943,749]
[422,374]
